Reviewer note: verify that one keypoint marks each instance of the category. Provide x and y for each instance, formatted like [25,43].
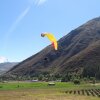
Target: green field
[41,91]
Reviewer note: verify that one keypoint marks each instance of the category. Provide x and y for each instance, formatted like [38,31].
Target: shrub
[76,81]
[93,80]
[1,86]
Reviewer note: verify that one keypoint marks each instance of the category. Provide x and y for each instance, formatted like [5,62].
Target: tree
[40,78]
[76,81]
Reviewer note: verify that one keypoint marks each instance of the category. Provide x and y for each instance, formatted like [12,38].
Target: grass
[43,85]
[41,91]
[36,85]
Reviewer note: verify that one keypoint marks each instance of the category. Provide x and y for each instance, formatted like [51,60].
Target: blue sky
[22,21]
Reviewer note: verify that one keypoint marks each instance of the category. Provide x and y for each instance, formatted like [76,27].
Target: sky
[23,21]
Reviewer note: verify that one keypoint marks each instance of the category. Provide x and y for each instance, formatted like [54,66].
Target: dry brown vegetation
[41,94]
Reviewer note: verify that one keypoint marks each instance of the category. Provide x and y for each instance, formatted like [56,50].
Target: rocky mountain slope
[79,52]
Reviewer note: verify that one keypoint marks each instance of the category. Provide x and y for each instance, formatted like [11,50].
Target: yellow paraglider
[52,39]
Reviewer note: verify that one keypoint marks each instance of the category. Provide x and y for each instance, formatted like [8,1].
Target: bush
[85,79]
[76,81]
[93,80]
[64,79]
[1,86]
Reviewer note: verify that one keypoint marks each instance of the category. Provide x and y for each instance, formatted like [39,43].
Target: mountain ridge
[72,53]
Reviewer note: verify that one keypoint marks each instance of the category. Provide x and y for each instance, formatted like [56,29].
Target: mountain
[78,52]
[4,67]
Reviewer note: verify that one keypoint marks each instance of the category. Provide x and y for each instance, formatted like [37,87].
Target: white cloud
[3,59]
[15,24]
[23,14]
[19,18]
[31,2]
[38,2]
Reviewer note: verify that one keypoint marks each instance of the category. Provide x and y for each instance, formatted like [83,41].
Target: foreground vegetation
[42,91]
[44,85]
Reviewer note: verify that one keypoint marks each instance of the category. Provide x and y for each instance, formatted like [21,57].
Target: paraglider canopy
[51,38]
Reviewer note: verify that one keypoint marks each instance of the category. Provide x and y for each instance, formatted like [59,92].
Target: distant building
[51,84]
[35,80]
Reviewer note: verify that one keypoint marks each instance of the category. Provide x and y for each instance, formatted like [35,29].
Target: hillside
[4,67]
[78,52]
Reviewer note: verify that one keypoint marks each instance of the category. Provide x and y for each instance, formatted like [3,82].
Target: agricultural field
[41,91]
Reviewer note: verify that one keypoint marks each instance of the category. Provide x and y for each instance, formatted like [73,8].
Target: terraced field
[41,91]
[85,92]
